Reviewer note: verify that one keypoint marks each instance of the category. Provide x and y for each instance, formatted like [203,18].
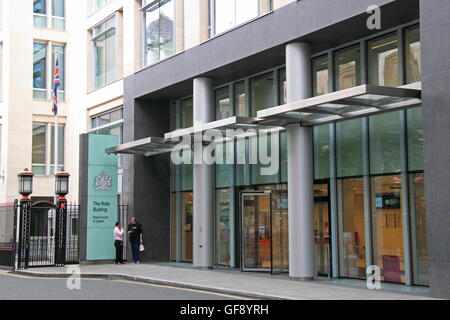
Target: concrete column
[203,195]
[300,168]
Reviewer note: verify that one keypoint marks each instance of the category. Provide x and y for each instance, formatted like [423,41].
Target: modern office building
[355,107]
[356,113]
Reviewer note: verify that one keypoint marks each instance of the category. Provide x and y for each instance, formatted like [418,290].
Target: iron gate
[48,236]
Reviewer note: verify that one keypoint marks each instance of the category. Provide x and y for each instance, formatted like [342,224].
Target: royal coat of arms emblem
[103,182]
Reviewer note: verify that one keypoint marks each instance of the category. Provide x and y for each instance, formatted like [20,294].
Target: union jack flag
[56,85]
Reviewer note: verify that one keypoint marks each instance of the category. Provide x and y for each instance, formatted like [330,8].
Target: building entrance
[264,231]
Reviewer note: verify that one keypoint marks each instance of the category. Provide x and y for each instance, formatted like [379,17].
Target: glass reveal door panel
[322,229]
[256,231]
[280,232]
[387,227]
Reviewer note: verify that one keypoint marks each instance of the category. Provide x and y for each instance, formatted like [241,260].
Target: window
[321,151]
[59,51]
[104,41]
[352,248]
[383,61]
[58,14]
[263,92]
[42,77]
[387,229]
[412,51]
[159,22]
[107,118]
[320,76]
[43,148]
[39,70]
[187,113]
[385,146]
[223,218]
[348,68]
[282,94]
[100,3]
[224,109]
[229,13]
[111,123]
[415,139]
[43,18]
[349,148]
[40,13]
[240,99]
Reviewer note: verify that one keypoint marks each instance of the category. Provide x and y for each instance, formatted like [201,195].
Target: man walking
[135,236]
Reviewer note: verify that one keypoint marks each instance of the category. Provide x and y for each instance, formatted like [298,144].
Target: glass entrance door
[280,232]
[256,231]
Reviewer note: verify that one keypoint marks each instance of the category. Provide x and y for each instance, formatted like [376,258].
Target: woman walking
[118,243]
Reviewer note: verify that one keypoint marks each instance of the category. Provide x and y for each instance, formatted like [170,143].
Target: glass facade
[320,76]
[383,61]
[223,101]
[263,92]
[349,148]
[370,167]
[412,53]
[159,26]
[387,227]
[347,68]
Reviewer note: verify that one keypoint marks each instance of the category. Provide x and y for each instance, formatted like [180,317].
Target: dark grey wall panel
[146,181]
[435,35]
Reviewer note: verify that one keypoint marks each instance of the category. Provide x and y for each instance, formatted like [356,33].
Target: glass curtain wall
[412,52]
[350,187]
[320,76]
[347,68]
[383,61]
[417,196]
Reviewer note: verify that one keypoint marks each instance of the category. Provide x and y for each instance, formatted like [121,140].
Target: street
[14,287]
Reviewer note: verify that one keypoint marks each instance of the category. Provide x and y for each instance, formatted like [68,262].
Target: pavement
[234,282]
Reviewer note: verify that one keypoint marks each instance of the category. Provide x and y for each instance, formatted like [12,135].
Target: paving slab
[231,281]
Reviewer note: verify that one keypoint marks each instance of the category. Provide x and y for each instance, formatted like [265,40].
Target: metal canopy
[233,123]
[148,147]
[349,103]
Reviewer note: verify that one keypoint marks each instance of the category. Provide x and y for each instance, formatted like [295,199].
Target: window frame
[50,17]
[48,165]
[213,19]
[49,68]
[95,36]
[143,11]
